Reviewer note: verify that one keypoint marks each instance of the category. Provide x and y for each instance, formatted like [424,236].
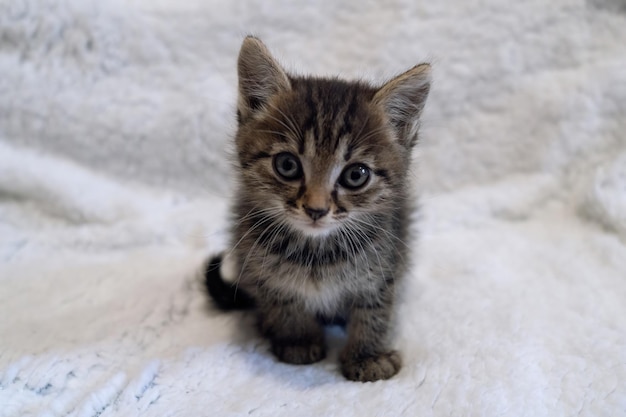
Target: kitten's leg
[367,356]
[296,336]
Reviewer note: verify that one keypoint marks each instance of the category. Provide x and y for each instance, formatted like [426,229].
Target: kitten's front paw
[298,354]
[371,368]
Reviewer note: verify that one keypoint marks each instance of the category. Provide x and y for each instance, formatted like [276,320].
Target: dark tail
[225,295]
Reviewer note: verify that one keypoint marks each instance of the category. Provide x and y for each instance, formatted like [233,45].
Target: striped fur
[310,248]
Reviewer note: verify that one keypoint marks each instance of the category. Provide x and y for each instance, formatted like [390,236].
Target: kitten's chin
[311,229]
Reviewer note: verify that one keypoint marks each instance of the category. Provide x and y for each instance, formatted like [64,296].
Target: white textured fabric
[116,121]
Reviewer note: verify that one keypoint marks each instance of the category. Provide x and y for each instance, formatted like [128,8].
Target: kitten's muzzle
[315,213]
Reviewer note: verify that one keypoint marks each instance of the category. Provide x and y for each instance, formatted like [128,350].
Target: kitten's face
[321,157]
[321,154]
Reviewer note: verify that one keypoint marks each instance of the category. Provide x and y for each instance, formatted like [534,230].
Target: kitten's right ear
[260,77]
[403,100]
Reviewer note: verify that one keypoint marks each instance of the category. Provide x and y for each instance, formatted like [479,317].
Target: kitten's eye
[354,176]
[287,166]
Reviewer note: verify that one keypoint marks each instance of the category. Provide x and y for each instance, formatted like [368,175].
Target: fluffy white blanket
[116,119]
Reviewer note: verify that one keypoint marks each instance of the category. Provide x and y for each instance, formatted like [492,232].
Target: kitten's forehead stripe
[310,120]
[329,109]
[315,114]
[348,117]
[322,122]
[344,101]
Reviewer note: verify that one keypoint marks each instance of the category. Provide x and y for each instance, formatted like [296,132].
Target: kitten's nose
[315,213]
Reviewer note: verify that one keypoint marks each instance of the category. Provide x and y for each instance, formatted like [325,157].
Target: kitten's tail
[225,295]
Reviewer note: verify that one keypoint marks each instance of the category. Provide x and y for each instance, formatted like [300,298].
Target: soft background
[116,120]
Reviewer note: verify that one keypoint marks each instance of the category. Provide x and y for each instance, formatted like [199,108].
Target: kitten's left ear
[403,100]
[260,77]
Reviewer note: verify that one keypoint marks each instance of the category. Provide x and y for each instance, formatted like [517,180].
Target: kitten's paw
[298,354]
[371,368]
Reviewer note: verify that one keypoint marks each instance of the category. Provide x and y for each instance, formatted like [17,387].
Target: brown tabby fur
[310,250]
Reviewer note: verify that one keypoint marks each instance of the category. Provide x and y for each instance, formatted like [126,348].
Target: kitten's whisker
[363,237]
[250,230]
[354,242]
[263,219]
[356,247]
[255,211]
[272,238]
[378,228]
[251,251]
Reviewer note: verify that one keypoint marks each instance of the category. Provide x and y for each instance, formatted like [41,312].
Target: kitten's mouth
[313,228]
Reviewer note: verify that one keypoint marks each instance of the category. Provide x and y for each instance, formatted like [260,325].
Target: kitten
[321,210]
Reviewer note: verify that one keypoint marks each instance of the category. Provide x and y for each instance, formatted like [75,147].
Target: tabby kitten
[321,210]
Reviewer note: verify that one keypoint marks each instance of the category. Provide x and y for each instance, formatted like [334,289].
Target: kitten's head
[315,153]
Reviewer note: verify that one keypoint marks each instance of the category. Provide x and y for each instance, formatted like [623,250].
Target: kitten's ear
[260,77]
[403,100]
